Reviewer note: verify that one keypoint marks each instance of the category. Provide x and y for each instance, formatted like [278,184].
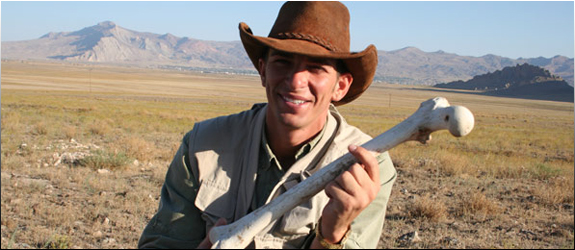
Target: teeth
[298,102]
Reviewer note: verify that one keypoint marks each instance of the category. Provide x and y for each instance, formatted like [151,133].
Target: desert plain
[85,149]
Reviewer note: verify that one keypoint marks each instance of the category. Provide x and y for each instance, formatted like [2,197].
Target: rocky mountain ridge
[107,42]
[521,81]
[413,66]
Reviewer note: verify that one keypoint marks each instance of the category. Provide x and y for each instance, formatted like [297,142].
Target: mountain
[520,81]
[107,42]
[415,67]
[110,43]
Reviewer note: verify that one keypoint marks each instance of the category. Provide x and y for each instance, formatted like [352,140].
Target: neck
[285,141]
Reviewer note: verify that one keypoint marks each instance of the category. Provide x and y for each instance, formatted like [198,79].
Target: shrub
[429,208]
[136,147]
[57,242]
[107,160]
[40,129]
[70,132]
[100,128]
[479,204]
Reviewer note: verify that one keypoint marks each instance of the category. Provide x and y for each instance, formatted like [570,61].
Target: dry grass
[100,128]
[138,148]
[40,129]
[509,184]
[479,204]
[556,192]
[429,208]
[70,132]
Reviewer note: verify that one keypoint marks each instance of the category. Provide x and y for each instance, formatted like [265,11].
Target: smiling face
[300,89]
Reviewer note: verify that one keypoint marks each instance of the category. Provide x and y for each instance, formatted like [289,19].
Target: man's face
[299,89]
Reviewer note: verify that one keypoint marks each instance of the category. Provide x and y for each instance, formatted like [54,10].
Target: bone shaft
[248,226]
[434,114]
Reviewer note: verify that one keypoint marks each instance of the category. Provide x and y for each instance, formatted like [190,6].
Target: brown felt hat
[315,29]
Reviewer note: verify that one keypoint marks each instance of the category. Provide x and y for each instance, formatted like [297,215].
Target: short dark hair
[340,65]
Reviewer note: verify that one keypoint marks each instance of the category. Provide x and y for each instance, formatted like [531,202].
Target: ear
[262,71]
[342,86]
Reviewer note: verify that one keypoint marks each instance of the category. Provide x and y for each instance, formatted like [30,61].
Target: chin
[291,120]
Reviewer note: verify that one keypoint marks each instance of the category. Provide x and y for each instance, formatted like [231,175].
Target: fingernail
[352,147]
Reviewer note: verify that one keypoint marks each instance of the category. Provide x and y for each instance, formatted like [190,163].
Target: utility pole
[90,70]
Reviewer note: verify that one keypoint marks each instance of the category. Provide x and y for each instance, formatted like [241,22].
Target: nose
[298,78]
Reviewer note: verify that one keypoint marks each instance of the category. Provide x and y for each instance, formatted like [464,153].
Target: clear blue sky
[511,29]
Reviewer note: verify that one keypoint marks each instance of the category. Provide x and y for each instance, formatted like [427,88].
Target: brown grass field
[85,149]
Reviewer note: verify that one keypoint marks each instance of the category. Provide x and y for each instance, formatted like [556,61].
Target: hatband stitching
[309,38]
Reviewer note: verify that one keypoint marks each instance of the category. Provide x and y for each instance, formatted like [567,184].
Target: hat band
[309,38]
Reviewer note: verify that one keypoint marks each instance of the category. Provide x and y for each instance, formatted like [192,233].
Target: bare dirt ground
[85,149]
[507,214]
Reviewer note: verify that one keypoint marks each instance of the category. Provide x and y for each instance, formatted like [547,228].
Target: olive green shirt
[179,223]
[270,171]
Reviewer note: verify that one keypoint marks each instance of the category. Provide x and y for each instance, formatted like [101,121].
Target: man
[229,166]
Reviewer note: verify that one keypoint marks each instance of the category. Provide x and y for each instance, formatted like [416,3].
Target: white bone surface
[432,115]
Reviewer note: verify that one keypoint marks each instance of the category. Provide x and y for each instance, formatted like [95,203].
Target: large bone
[434,114]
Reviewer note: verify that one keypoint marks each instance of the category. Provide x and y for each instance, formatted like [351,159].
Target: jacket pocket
[214,198]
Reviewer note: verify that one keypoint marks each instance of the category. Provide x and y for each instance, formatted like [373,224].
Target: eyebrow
[326,61]
[274,52]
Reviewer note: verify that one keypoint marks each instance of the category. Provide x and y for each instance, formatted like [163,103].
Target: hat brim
[361,65]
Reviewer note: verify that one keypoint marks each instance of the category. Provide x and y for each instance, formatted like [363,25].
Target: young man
[229,166]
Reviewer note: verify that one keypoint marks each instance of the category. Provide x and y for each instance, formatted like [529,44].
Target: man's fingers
[220,222]
[368,160]
[350,183]
[360,174]
[333,190]
[207,243]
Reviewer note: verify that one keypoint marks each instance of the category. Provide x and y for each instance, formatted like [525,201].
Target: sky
[512,29]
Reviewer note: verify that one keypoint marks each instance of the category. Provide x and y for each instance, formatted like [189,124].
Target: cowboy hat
[315,29]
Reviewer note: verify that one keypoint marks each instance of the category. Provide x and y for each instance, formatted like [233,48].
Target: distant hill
[520,81]
[110,43]
[107,42]
[415,67]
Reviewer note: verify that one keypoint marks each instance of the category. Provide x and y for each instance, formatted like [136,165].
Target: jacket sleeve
[366,228]
[178,223]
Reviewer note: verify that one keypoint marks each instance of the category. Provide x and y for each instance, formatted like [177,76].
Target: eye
[319,65]
[281,61]
[317,68]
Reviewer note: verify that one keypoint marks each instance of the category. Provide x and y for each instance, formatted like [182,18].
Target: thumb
[221,222]
[207,243]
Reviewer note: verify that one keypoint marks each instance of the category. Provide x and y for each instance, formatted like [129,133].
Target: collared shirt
[203,184]
[270,171]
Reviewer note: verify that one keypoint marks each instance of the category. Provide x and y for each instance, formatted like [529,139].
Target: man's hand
[350,193]
[206,243]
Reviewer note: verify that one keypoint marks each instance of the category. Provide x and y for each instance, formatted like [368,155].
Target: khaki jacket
[214,173]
